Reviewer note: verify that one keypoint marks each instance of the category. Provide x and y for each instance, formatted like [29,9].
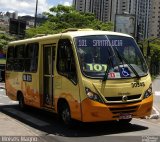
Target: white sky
[27,7]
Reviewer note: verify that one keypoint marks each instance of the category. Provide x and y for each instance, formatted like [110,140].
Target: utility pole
[35,20]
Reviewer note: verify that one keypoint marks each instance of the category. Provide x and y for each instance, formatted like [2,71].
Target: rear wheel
[125,121]
[21,102]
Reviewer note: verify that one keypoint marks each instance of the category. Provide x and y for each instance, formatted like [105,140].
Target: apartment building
[105,10]
[99,7]
[143,14]
[154,22]
[126,6]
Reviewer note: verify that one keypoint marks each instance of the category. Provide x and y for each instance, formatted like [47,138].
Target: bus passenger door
[66,82]
[48,74]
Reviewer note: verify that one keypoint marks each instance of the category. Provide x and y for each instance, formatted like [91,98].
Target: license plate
[125,116]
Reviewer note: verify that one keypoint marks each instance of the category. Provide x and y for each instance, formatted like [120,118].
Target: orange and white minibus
[83,75]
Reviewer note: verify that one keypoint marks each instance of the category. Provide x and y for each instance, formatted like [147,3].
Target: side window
[19,58]
[10,58]
[65,60]
[31,57]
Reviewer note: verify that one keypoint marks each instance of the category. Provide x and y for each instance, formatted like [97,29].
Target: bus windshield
[118,55]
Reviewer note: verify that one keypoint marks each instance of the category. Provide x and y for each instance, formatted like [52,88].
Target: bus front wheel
[125,121]
[65,114]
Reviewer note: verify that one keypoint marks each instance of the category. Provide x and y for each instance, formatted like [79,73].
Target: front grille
[130,109]
[120,103]
[119,98]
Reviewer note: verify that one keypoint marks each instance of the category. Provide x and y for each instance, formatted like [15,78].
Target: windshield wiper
[107,70]
[106,75]
[109,61]
[123,59]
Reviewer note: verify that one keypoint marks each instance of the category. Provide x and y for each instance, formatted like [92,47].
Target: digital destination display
[99,42]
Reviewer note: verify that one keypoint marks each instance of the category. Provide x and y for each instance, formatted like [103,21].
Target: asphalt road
[49,128]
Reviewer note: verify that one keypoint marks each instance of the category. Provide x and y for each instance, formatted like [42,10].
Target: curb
[156,114]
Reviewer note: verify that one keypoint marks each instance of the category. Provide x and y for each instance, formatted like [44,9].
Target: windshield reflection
[117,54]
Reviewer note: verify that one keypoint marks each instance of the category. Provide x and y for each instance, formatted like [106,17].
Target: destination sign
[99,43]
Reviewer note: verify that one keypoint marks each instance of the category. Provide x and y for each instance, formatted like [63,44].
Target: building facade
[126,6]
[154,23]
[99,7]
[143,14]
[106,10]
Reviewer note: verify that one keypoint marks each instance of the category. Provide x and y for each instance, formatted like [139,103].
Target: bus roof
[71,33]
[94,32]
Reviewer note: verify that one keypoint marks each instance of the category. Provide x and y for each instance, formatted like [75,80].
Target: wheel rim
[66,115]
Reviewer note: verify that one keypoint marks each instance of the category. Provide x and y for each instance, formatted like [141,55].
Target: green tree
[153,60]
[63,17]
[4,39]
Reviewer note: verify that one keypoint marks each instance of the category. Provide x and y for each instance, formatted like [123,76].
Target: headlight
[93,96]
[148,92]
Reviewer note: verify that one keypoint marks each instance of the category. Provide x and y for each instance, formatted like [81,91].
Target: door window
[66,62]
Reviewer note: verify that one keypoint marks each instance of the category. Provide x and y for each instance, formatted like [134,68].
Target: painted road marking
[157,93]
[27,117]
[13,102]
[157,110]
[152,123]
[156,114]
[3,96]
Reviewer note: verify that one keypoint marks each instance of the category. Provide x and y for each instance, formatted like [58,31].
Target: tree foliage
[155,49]
[153,59]
[4,39]
[63,17]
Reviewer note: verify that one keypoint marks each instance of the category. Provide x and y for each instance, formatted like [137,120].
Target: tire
[65,115]
[125,121]
[21,102]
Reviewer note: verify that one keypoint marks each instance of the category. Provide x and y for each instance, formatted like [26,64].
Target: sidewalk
[11,127]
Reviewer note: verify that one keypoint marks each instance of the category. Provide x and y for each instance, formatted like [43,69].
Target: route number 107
[97,67]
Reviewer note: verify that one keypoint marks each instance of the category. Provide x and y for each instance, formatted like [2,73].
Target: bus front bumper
[93,111]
